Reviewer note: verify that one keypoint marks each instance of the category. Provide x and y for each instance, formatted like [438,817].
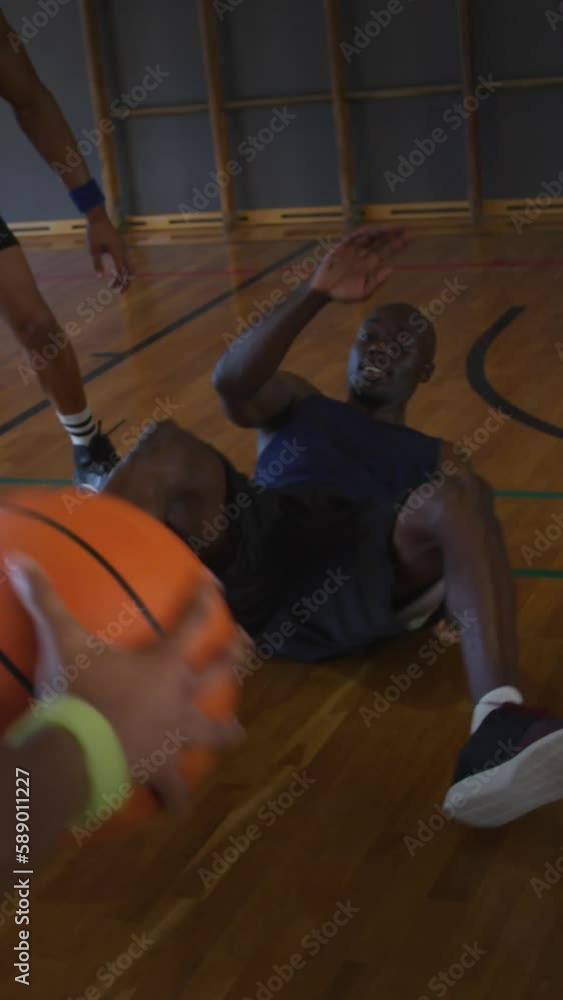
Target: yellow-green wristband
[106,763]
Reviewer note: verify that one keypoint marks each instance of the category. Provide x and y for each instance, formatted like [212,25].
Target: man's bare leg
[457,529]
[36,329]
[513,761]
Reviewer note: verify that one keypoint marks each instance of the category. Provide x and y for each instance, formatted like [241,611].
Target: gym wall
[400,86]
[28,190]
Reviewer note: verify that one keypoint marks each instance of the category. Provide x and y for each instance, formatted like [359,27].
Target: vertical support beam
[340,108]
[100,104]
[216,101]
[472,137]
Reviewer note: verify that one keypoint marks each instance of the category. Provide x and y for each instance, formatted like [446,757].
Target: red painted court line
[459,265]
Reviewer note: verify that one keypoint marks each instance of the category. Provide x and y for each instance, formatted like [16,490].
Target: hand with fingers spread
[360,264]
[143,694]
[103,238]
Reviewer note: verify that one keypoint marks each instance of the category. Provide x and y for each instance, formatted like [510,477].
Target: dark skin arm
[54,802]
[458,525]
[142,693]
[252,389]
[41,119]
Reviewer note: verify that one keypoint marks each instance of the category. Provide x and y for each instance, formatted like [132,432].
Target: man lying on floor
[341,494]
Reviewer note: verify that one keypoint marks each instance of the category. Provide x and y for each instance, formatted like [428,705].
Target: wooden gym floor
[342,841]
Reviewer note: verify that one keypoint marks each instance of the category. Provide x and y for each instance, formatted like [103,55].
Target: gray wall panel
[169,159]
[514,39]
[419,45]
[299,166]
[272,47]
[522,142]
[30,191]
[146,33]
[386,130]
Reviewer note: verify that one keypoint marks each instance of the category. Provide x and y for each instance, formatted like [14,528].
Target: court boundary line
[153,338]
[549,574]
[479,382]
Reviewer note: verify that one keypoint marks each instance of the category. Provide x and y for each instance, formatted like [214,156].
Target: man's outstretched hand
[103,238]
[143,693]
[357,267]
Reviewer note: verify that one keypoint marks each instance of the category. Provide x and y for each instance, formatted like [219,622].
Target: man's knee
[166,435]
[35,329]
[467,493]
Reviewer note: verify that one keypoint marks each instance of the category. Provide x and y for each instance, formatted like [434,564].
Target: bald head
[392,354]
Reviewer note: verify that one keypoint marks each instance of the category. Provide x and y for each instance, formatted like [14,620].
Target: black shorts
[313,573]
[7,238]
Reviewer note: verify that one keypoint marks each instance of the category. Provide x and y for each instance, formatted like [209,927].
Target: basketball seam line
[37,516]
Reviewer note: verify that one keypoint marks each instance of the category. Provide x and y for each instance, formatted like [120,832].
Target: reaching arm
[141,694]
[36,110]
[44,124]
[252,390]
[58,787]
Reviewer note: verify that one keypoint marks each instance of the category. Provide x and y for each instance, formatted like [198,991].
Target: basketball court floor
[317,863]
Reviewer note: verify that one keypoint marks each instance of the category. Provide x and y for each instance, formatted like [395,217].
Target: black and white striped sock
[79,426]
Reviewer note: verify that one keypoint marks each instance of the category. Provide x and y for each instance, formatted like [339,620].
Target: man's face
[390,355]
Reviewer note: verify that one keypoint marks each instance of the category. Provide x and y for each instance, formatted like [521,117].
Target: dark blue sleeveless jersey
[325,442]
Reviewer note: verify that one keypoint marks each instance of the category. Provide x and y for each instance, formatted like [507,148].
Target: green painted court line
[530,494]
[546,574]
[510,494]
[34,482]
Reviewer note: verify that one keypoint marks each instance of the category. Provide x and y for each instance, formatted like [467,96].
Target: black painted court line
[36,515]
[15,672]
[475,369]
[21,418]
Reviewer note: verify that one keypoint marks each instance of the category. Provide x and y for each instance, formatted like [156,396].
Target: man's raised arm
[247,377]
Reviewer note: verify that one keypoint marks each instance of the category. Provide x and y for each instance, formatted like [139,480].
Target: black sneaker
[94,462]
[512,764]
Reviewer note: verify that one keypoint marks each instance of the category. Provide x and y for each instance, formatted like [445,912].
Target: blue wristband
[87,197]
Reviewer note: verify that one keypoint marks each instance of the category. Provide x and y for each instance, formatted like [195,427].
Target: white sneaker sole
[492,798]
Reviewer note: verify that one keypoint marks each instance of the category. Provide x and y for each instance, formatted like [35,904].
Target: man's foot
[512,764]
[94,462]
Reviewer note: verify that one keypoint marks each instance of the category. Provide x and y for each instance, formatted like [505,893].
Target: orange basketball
[126,578]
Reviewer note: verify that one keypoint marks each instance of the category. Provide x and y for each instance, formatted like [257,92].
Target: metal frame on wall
[473,210]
